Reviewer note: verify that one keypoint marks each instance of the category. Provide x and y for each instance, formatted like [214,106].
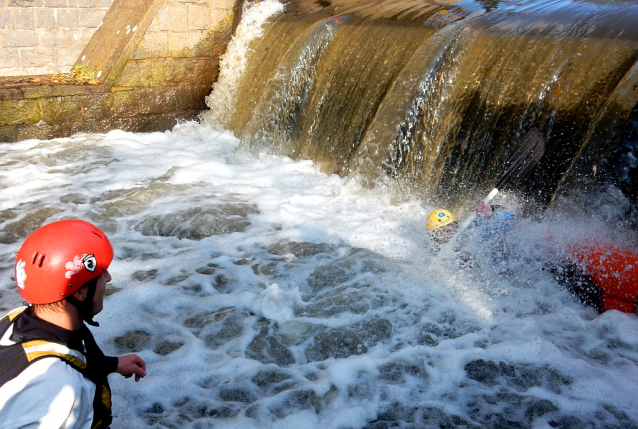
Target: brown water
[434,96]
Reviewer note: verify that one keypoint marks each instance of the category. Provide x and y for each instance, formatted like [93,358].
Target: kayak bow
[614,269]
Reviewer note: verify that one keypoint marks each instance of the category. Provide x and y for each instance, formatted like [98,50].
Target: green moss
[57,110]
[225,24]
[135,73]
[168,71]
[8,134]
[16,112]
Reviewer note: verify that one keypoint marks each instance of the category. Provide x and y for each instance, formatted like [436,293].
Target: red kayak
[614,269]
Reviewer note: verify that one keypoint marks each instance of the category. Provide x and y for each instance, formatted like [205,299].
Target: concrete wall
[156,61]
[46,36]
[180,28]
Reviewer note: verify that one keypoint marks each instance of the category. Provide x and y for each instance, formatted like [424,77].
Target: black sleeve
[106,364]
[109,364]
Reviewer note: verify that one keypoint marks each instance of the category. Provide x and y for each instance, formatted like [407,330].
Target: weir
[432,96]
[264,294]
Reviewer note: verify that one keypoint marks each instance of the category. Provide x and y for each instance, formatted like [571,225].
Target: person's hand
[482,209]
[131,365]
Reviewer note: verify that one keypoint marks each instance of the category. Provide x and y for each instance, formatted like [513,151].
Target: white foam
[509,311]
[233,62]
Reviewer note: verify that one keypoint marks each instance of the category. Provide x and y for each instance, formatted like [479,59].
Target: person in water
[442,226]
[52,372]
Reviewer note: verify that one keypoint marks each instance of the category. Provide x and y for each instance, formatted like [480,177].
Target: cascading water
[435,96]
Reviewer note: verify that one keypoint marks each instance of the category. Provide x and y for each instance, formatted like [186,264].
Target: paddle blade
[525,157]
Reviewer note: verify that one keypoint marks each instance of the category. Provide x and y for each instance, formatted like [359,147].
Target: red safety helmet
[57,259]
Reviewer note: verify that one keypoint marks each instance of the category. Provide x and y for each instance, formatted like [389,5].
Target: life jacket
[17,357]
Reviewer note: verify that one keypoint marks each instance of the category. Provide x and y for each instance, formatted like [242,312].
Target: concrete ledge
[165,89]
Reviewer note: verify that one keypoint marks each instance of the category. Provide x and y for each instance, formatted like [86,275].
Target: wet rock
[395,414]
[74,199]
[293,333]
[203,424]
[427,340]
[217,328]
[348,341]
[222,284]
[616,418]
[230,327]
[267,347]
[357,302]
[196,289]
[451,422]
[200,320]
[268,269]
[175,280]
[379,424]
[110,290]
[328,276]
[431,417]
[391,373]
[365,261]
[395,372]
[189,410]
[156,408]
[270,376]
[20,229]
[336,343]
[140,276]
[170,422]
[207,271]
[539,408]
[6,215]
[498,421]
[297,400]
[197,223]
[223,412]
[259,413]
[569,422]
[374,331]
[506,408]
[488,371]
[236,394]
[599,355]
[125,202]
[206,286]
[432,328]
[359,263]
[132,342]
[300,249]
[529,376]
[165,347]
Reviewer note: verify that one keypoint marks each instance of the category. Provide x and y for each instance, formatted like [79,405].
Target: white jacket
[49,394]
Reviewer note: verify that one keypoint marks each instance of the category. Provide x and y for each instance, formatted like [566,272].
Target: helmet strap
[85,308]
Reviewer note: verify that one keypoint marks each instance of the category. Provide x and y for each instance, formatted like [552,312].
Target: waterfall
[434,96]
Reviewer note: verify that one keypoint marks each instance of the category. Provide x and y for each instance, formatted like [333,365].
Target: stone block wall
[157,61]
[46,36]
[173,67]
[178,28]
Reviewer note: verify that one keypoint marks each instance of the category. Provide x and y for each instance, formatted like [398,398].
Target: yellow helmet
[438,219]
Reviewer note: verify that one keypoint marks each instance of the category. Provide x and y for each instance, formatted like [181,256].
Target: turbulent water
[437,94]
[263,293]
